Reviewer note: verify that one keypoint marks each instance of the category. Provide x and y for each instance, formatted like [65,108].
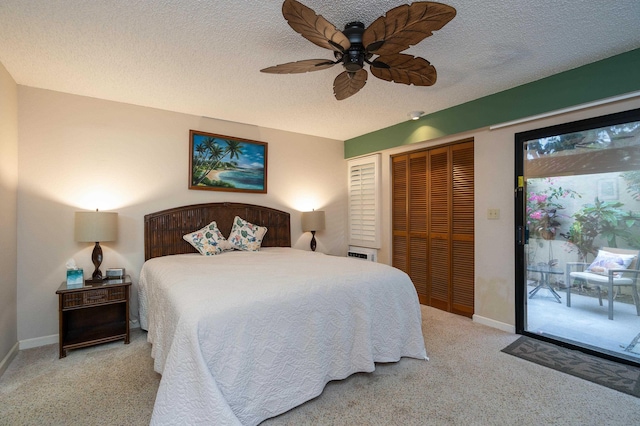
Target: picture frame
[607,189]
[226,163]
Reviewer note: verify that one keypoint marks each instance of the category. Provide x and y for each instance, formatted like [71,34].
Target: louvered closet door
[409,219]
[462,248]
[400,191]
[439,196]
[418,216]
[432,223]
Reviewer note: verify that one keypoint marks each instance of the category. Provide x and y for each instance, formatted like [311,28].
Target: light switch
[493,214]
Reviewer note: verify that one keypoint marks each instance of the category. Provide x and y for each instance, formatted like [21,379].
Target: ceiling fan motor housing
[353,59]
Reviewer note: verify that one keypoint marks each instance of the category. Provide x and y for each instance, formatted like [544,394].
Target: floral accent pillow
[208,240]
[245,235]
[607,260]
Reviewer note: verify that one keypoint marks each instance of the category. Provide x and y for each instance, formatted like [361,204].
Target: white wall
[80,153]
[8,210]
[494,188]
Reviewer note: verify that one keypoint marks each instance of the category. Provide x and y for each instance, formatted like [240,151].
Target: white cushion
[208,240]
[607,260]
[245,235]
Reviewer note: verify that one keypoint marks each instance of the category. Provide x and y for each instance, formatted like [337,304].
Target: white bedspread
[240,337]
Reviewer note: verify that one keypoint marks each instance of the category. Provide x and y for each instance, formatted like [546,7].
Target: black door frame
[521,231]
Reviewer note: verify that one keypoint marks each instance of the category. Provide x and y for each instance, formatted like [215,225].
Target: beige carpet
[467,381]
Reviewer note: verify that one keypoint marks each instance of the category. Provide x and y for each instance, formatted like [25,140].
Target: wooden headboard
[163,230]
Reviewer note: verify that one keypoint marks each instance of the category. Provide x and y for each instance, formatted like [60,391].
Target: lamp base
[313,240]
[96,258]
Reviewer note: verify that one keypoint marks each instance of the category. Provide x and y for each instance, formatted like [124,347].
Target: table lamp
[96,227]
[311,222]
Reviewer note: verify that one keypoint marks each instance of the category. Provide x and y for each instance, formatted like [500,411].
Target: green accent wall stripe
[609,77]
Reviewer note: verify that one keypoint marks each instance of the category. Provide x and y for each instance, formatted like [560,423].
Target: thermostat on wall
[115,273]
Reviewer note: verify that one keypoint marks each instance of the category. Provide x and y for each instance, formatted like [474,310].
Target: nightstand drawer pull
[95,296]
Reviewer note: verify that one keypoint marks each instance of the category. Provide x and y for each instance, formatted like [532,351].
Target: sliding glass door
[578,235]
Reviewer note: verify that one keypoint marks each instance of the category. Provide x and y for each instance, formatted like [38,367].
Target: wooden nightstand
[93,314]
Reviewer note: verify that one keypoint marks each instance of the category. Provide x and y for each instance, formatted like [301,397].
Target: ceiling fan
[386,37]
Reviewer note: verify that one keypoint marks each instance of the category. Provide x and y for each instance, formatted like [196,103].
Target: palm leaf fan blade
[314,27]
[349,83]
[406,69]
[405,26]
[306,65]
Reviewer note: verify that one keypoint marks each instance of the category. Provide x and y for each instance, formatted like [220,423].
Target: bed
[243,336]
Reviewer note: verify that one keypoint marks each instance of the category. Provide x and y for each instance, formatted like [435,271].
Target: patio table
[545,272]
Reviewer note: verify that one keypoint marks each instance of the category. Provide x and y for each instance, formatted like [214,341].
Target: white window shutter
[364,201]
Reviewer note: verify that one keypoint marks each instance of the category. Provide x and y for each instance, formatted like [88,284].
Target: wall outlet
[493,214]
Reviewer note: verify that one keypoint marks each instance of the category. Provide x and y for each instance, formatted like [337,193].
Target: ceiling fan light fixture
[414,115]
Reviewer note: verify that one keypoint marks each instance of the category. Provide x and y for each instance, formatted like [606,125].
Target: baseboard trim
[495,324]
[4,364]
[38,341]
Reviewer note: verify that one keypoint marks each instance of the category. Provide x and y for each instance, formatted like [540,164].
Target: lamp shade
[96,226]
[313,221]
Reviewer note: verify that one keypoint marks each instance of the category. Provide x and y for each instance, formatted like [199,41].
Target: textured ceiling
[203,57]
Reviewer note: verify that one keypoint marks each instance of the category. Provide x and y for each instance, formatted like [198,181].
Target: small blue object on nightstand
[75,277]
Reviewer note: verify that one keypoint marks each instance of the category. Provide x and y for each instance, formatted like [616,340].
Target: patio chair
[603,276]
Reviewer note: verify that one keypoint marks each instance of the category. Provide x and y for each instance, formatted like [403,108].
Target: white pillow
[245,235]
[208,240]
[607,260]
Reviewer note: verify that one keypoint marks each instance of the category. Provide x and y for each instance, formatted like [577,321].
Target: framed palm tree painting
[225,163]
